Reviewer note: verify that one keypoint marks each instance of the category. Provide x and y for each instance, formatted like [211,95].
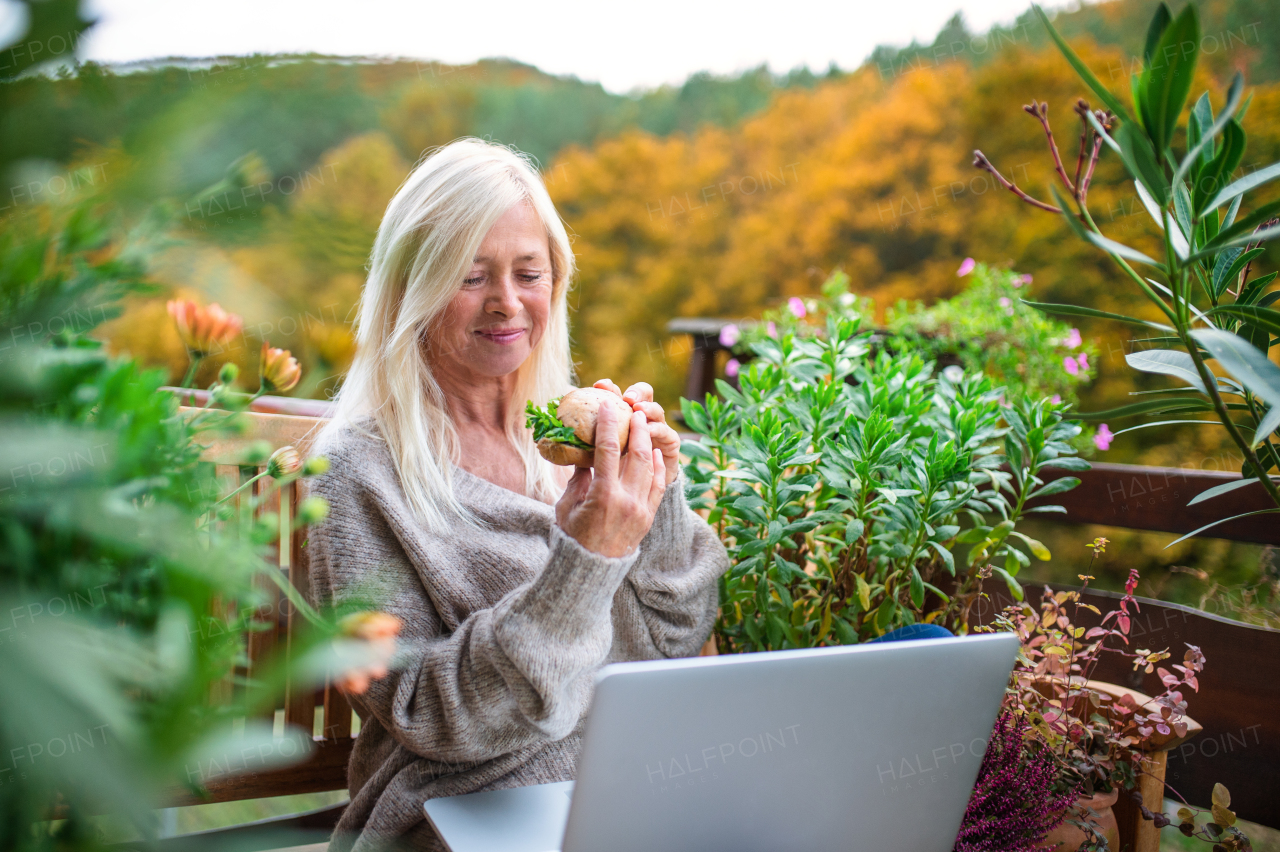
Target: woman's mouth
[502,336]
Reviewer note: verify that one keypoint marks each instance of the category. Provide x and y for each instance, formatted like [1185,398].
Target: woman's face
[500,313]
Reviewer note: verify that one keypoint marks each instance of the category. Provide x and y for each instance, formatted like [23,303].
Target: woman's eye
[531,277]
[471,282]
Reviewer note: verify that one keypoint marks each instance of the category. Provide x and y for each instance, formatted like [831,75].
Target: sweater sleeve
[513,675]
[667,607]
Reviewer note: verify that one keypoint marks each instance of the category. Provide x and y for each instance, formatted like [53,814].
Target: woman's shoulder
[355,451]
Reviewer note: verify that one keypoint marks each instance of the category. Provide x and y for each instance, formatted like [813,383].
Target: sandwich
[565,430]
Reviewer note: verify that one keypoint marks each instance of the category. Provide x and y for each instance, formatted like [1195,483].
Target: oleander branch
[980,161]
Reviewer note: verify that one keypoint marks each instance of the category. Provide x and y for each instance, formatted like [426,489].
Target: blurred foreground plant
[123,601]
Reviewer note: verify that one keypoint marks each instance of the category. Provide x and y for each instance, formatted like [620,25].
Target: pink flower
[1021,280]
[1004,302]
[796,305]
[1083,358]
[1069,364]
[772,329]
[966,267]
[1073,340]
[731,368]
[1057,399]
[1103,438]
[729,336]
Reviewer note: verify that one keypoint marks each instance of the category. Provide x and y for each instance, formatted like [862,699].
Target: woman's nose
[503,298]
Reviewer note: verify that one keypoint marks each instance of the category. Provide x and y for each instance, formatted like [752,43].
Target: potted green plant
[860,492]
[1098,735]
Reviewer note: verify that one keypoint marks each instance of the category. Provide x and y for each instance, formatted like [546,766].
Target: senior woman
[514,580]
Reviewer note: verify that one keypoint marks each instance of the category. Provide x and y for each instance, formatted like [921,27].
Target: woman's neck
[478,403]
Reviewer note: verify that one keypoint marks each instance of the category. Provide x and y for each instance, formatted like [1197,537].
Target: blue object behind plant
[915,631]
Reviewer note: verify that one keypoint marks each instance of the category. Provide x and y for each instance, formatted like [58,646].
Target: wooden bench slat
[300,701]
[325,770]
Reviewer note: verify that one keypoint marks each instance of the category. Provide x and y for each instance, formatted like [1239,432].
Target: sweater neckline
[471,485]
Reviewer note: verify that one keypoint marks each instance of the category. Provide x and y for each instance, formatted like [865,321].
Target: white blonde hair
[426,243]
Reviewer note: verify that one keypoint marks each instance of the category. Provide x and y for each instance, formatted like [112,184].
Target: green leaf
[1121,250]
[1249,366]
[1228,267]
[1169,423]
[1038,550]
[1140,159]
[917,588]
[1057,486]
[1077,311]
[973,535]
[1152,407]
[886,613]
[1242,228]
[1243,185]
[844,633]
[1261,317]
[1015,588]
[1168,362]
[947,558]
[1202,146]
[864,592]
[1218,490]
[1104,94]
[1194,533]
[1159,23]
[1166,81]
[1068,463]
[1198,123]
[1268,425]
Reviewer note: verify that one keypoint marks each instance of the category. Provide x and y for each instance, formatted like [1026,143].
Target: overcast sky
[621,45]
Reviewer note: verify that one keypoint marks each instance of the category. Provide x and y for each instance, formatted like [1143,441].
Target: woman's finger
[658,485]
[639,392]
[607,448]
[637,470]
[608,384]
[652,411]
[575,491]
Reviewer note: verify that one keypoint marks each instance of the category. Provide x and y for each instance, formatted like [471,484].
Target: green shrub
[859,493]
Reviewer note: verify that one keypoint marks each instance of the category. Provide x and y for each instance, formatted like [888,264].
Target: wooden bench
[1240,746]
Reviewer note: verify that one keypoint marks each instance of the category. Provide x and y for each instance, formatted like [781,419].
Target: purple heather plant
[1014,804]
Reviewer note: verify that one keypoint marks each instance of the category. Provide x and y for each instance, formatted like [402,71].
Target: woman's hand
[640,397]
[608,509]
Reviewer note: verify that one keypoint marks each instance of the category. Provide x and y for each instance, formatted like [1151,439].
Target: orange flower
[204,330]
[278,369]
[380,630]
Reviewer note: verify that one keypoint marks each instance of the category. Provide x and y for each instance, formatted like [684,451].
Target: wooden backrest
[324,712]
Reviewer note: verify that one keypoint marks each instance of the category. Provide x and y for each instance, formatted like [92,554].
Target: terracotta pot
[1068,838]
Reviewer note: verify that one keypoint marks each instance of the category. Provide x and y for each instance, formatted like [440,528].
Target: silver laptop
[872,747]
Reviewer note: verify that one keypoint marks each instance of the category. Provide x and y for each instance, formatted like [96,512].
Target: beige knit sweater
[503,631]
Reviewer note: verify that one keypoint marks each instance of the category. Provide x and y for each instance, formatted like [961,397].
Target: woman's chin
[497,364]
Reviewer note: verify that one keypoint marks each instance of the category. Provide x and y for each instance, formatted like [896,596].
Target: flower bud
[315,466]
[229,373]
[278,369]
[257,452]
[313,510]
[284,462]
